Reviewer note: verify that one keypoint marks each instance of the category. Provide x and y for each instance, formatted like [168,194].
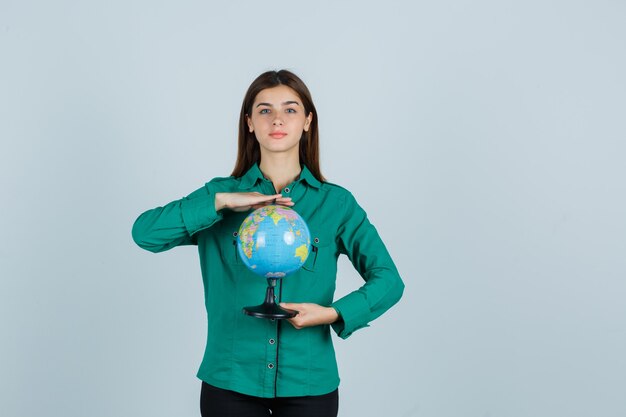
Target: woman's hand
[247,201]
[310,314]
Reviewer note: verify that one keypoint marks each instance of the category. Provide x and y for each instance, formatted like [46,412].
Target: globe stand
[269,309]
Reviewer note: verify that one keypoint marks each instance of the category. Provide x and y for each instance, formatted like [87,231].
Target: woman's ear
[307,123]
[250,126]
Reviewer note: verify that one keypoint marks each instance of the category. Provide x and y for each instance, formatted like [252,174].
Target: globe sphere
[274,241]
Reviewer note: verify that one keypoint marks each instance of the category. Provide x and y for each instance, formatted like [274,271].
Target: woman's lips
[278,135]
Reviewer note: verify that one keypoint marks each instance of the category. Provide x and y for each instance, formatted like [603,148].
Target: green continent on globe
[302,251]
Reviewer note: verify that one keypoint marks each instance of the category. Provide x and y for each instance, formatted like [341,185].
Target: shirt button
[272,341]
[286,190]
[316,240]
[235,234]
[270,365]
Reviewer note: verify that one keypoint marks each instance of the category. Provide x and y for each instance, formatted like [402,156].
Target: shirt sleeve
[383,287]
[174,224]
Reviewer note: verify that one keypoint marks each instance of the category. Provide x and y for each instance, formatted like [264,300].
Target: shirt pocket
[228,238]
[321,245]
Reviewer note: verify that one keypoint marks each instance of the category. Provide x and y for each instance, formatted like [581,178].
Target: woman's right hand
[247,201]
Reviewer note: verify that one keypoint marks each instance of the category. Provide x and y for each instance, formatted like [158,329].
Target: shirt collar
[251,177]
[255,175]
[308,176]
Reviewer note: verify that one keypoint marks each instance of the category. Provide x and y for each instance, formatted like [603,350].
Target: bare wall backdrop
[484,138]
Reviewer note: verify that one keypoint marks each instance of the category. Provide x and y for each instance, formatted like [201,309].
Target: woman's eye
[264,111]
[291,110]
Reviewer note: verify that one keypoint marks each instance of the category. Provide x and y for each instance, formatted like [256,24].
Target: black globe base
[269,309]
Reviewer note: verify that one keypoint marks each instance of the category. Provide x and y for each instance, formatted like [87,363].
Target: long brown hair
[248,150]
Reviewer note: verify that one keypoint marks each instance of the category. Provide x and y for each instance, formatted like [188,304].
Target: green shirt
[261,357]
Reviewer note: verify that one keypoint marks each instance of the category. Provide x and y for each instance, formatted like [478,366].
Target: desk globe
[273,242]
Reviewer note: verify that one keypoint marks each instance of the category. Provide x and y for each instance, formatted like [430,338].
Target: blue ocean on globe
[274,241]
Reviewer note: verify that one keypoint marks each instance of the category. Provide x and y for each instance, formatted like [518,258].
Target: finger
[285,203]
[293,323]
[255,196]
[258,198]
[290,306]
[273,199]
[279,202]
[284,200]
[265,203]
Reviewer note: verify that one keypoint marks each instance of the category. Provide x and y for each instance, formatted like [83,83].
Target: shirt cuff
[354,312]
[199,213]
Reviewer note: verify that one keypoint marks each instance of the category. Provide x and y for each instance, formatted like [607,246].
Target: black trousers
[217,402]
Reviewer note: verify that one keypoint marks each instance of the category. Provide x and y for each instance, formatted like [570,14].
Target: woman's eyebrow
[284,103]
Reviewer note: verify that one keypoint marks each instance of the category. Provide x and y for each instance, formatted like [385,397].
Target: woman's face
[278,119]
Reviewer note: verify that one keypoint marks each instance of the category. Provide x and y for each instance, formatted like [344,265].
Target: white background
[485,139]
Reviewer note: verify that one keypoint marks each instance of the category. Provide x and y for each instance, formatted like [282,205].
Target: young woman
[252,365]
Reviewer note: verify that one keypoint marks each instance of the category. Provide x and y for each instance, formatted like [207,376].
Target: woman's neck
[282,170]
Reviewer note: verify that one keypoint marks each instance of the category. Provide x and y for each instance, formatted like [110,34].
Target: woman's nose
[277,121]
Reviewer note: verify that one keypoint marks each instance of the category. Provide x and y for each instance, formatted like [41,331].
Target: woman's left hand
[310,314]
